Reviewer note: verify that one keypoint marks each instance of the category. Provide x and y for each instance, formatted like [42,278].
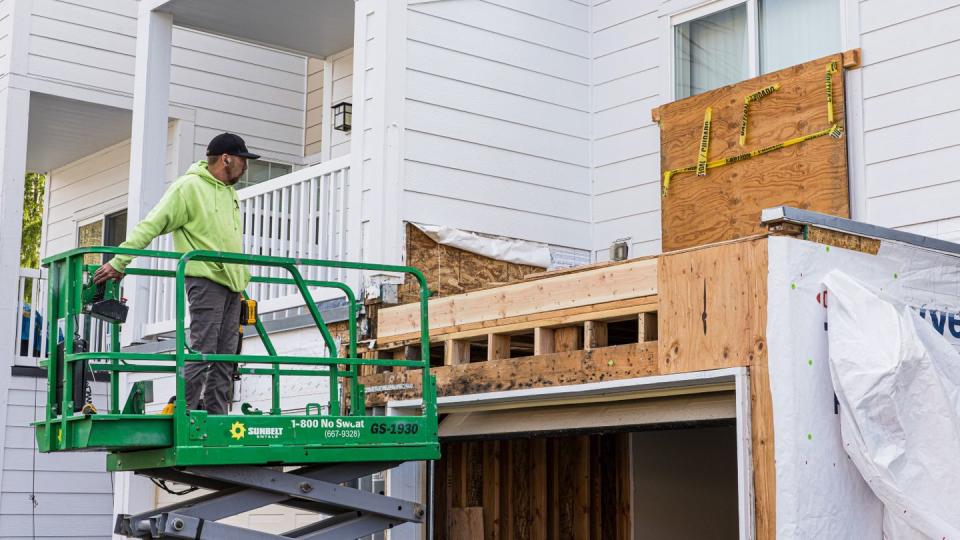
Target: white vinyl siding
[6,18]
[910,80]
[69,488]
[497,118]
[313,135]
[626,84]
[239,87]
[90,187]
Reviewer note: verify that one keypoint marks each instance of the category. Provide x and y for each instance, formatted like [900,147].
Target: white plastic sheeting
[897,380]
[820,490]
[501,249]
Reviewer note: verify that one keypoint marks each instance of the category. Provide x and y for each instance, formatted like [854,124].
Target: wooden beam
[456,351]
[568,339]
[608,310]
[543,341]
[647,326]
[655,115]
[594,334]
[574,367]
[498,346]
[851,59]
[597,286]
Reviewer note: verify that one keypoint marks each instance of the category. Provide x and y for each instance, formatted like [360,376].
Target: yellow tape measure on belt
[704,143]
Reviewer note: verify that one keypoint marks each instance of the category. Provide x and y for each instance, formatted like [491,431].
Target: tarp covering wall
[897,380]
[820,491]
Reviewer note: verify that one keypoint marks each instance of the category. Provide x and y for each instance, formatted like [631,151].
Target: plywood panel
[562,368]
[726,203]
[713,307]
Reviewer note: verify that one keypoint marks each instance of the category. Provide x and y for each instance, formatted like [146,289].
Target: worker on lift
[202,211]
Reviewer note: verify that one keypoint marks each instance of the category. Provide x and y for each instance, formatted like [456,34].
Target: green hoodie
[202,213]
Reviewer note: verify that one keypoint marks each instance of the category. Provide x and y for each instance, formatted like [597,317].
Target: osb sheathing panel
[556,369]
[450,270]
[713,314]
[726,203]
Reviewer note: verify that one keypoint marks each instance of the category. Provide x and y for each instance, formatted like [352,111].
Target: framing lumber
[561,368]
[568,338]
[456,351]
[543,341]
[525,298]
[498,346]
[647,327]
[595,334]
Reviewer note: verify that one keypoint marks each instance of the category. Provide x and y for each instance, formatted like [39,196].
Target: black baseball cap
[228,143]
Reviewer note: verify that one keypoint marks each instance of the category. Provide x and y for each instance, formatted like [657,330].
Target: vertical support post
[595,334]
[498,346]
[148,142]
[456,351]
[115,375]
[14,111]
[647,330]
[543,341]
[568,339]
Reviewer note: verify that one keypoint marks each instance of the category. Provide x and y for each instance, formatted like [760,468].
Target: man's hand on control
[106,272]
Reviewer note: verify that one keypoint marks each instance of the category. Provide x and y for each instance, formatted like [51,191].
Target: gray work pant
[214,329]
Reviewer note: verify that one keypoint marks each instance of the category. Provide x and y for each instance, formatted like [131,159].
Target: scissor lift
[244,459]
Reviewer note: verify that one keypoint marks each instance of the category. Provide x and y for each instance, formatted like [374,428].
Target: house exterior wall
[898,134]
[313,127]
[93,186]
[625,85]
[341,89]
[62,495]
[910,79]
[233,86]
[496,117]
[6,20]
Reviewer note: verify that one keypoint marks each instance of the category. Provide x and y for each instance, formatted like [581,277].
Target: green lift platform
[247,460]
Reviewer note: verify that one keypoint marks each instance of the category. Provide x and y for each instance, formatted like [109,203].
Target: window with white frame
[731,40]
[261,170]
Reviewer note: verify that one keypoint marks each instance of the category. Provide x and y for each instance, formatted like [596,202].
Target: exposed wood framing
[498,346]
[647,327]
[595,334]
[561,368]
[568,338]
[543,341]
[457,351]
[531,299]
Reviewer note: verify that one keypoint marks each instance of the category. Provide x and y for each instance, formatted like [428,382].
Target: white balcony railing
[31,325]
[302,214]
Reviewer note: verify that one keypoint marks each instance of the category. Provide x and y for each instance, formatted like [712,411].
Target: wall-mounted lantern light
[342,116]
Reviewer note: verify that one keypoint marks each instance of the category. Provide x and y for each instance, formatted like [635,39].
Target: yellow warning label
[704,143]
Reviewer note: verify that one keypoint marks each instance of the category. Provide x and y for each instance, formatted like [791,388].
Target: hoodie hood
[200,169]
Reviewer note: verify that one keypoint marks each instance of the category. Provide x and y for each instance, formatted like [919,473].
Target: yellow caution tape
[756,96]
[828,78]
[704,143]
[834,131]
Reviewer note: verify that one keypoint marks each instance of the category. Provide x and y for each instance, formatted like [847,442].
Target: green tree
[33,189]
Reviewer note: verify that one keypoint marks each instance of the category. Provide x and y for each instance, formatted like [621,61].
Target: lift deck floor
[138,442]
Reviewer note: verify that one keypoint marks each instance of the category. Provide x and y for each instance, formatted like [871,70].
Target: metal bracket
[347,512]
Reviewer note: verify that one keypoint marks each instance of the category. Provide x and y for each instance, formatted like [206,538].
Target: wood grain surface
[726,203]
